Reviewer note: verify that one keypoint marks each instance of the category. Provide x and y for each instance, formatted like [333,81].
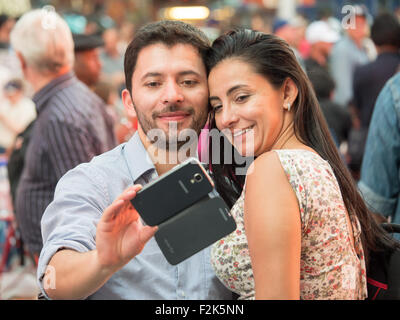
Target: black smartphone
[174,191]
[194,229]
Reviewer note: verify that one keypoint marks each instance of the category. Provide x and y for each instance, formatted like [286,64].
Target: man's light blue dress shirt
[70,221]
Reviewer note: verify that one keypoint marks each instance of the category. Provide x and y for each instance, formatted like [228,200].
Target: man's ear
[21,60]
[128,103]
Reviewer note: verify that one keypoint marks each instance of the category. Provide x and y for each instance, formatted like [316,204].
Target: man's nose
[172,93]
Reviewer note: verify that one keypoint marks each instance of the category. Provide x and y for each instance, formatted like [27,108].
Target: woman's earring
[288,106]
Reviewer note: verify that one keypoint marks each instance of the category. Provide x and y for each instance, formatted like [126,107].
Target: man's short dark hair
[167,32]
[386,30]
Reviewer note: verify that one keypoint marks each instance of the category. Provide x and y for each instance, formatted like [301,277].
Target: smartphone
[174,191]
[194,229]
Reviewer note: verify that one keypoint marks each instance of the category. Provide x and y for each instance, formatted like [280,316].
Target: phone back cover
[194,229]
[162,199]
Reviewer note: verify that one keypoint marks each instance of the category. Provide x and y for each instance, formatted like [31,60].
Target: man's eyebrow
[151,74]
[189,72]
[181,73]
[239,86]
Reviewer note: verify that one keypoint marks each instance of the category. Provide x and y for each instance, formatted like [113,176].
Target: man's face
[169,90]
[88,66]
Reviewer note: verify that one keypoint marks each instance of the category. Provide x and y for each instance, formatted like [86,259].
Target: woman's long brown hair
[272,58]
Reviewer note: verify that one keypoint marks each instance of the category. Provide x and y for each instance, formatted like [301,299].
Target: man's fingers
[147,232]
[110,212]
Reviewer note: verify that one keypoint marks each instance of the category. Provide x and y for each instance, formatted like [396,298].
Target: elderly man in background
[72,125]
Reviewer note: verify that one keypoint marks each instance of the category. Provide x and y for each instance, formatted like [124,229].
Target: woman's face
[248,109]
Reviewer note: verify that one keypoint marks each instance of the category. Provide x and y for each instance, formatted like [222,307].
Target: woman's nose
[227,118]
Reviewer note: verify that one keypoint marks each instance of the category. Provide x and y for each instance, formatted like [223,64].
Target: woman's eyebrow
[229,91]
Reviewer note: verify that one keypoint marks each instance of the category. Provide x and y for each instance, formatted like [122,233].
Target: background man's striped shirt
[72,127]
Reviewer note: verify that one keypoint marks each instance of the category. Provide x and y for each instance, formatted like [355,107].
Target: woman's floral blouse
[330,267]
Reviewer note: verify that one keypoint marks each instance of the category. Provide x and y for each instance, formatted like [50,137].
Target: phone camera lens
[198,177]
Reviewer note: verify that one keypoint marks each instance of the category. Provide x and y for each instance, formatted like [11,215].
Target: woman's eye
[216,108]
[242,98]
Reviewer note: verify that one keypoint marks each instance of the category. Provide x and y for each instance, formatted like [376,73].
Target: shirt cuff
[45,256]
[375,202]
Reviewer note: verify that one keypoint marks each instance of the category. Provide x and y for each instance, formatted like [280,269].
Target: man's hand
[120,234]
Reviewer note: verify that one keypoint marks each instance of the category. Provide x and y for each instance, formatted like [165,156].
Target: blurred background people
[87,65]
[72,125]
[16,113]
[285,30]
[348,53]
[321,37]
[369,79]
[112,58]
[338,118]
[380,183]
[6,24]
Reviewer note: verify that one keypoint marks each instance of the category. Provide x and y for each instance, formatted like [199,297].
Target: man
[338,118]
[94,243]
[87,65]
[287,31]
[369,79]
[321,38]
[111,58]
[71,125]
[380,183]
[348,53]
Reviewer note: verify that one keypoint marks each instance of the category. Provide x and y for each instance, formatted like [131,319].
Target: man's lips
[173,116]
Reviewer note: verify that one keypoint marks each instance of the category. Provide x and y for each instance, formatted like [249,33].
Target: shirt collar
[138,160]
[40,98]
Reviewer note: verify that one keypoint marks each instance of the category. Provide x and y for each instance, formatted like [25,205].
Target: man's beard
[175,138]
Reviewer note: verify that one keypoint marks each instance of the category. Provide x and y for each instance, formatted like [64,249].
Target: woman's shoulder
[288,164]
[281,158]
[266,169]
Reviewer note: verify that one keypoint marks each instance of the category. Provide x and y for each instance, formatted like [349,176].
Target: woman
[303,229]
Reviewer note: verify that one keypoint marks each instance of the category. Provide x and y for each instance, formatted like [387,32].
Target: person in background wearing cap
[348,53]
[284,30]
[71,127]
[87,65]
[321,38]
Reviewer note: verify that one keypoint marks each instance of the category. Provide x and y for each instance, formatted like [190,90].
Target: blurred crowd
[347,62]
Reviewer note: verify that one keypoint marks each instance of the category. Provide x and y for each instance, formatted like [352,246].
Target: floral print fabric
[330,267]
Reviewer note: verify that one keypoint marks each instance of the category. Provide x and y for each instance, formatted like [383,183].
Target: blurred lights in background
[14,8]
[186,13]
[223,13]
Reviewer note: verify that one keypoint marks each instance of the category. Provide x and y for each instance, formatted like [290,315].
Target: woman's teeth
[240,132]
